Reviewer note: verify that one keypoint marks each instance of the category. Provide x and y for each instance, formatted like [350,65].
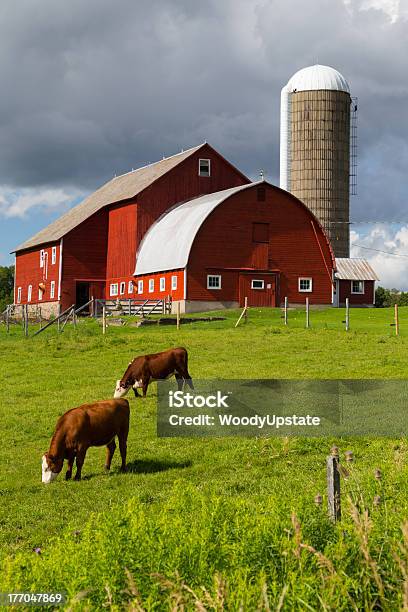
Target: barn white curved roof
[317,77]
[167,244]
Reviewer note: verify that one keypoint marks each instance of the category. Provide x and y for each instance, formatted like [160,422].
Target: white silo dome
[317,77]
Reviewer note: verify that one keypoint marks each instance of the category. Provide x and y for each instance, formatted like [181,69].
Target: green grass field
[218,523]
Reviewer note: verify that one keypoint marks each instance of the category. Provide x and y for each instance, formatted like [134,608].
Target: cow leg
[180,380]
[71,459]
[145,384]
[80,458]
[123,434]
[110,449]
[135,392]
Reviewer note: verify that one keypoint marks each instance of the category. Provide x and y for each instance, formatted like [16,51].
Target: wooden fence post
[26,321]
[8,319]
[178,314]
[104,319]
[40,315]
[244,313]
[58,320]
[307,313]
[333,485]
[347,314]
[286,311]
[396,319]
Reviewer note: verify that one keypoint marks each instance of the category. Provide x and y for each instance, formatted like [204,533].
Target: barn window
[162,284]
[214,281]
[42,257]
[151,285]
[305,285]
[40,294]
[52,290]
[204,167]
[260,232]
[261,194]
[122,287]
[257,284]
[19,295]
[174,282]
[29,293]
[54,255]
[114,289]
[130,287]
[357,286]
[140,286]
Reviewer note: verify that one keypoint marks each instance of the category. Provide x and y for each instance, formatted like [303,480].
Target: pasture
[222,523]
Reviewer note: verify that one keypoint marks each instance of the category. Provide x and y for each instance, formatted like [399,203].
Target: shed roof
[354,269]
[167,244]
[117,189]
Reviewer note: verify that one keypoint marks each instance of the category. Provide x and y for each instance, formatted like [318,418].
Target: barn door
[260,289]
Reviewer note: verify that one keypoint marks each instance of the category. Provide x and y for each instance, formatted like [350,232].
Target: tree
[6,286]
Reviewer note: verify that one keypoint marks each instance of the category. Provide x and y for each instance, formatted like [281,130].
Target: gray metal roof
[167,244]
[119,188]
[354,269]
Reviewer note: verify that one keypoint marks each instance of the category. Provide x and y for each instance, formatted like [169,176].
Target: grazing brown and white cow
[157,366]
[88,425]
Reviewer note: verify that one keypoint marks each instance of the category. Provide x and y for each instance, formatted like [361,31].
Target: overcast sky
[96,88]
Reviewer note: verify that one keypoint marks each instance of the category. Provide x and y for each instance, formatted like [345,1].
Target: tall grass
[215,553]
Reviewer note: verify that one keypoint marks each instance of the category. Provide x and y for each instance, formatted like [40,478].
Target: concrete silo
[315,148]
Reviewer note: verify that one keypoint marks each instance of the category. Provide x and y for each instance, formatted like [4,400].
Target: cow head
[51,467]
[120,390]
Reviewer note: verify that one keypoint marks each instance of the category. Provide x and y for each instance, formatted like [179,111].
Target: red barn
[255,241]
[191,227]
[93,246]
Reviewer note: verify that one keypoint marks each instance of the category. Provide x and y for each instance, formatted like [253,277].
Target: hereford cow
[157,366]
[87,425]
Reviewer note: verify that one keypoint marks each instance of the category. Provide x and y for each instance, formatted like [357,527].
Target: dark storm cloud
[94,88]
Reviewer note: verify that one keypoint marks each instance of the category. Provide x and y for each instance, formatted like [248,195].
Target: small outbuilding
[354,279]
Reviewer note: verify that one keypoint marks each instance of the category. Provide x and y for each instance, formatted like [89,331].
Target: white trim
[29,293]
[174,283]
[52,290]
[162,285]
[357,292]
[60,269]
[185,284]
[130,287]
[151,285]
[53,255]
[114,292]
[19,292]
[140,287]
[122,287]
[257,280]
[217,276]
[305,278]
[204,159]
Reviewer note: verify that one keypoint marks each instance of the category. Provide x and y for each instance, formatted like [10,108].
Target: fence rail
[132,307]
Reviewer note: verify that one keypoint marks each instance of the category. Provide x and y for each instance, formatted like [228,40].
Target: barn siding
[84,255]
[121,255]
[28,272]
[225,240]
[183,183]
[176,294]
[366,298]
